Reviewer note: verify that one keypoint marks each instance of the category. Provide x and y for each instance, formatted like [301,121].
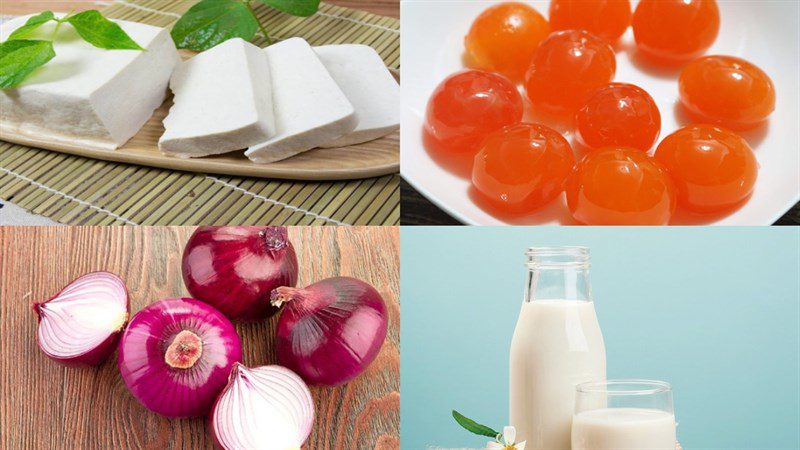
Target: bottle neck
[558,284]
[558,274]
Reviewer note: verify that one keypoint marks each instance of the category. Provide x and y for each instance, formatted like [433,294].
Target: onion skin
[330,331]
[252,391]
[100,352]
[168,390]
[234,269]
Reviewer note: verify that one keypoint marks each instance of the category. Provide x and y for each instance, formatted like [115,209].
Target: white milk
[557,345]
[623,429]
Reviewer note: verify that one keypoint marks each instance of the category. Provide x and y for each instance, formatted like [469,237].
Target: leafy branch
[25,50]
[211,22]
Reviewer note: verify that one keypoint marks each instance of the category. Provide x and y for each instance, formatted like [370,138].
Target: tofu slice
[87,94]
[223,102]
[363,77]
[310,109]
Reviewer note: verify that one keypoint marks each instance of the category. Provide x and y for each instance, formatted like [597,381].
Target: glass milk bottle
[557,345]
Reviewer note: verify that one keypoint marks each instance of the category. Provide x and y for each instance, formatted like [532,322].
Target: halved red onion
[81,324]
[234,269]
[330,331]
[264,408]
[176,354]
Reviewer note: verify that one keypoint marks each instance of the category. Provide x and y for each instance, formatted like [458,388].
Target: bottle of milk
[557,345]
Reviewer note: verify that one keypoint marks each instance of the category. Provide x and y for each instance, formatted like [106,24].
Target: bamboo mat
[82,191]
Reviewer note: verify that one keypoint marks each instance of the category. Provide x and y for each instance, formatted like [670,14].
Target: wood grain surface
[44,405]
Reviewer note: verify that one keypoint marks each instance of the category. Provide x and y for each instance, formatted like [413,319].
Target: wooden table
[389,8]
[44,405]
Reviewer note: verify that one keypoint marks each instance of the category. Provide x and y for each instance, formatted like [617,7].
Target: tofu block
[367,83]
[88,94]
[310,109]
[223,102]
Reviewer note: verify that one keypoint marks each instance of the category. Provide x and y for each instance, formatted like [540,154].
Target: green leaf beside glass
[474,427]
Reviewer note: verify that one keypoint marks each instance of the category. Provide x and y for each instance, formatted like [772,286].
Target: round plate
[763,32]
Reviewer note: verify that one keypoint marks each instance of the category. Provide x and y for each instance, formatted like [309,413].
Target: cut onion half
[263,408]
[81,324]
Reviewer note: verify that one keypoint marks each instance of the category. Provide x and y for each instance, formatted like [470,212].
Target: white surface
[223,102]
[557,345]
[310,109]
[763,32]
[623,429]
[363,77]
[11,214]
[88,93]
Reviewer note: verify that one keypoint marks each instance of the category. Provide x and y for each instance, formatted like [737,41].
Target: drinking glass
[624,415]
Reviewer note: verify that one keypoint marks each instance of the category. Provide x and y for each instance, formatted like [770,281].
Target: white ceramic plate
[763,32]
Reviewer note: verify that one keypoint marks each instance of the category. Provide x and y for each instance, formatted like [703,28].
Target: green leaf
[18,58]
[474,427]
[101,32]
[31,25]
[302,8]
[211,22]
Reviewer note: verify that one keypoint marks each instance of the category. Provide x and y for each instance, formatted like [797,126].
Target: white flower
[509,441]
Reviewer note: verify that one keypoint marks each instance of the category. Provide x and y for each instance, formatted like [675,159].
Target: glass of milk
[557,345]
[623,415]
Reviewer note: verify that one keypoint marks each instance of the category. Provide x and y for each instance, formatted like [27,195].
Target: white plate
[763,32]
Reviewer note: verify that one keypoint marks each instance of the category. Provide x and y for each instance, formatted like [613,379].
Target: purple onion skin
[175,392]
[353,317]
[99,354]
[234,269]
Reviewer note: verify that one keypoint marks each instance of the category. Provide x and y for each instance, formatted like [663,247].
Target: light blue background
[714,311]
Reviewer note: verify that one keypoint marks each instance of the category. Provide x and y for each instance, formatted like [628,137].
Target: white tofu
[363,77]
[223,102]
[88,94]
[310,109]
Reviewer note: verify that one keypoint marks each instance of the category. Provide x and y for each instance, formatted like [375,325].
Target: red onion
[176,354]
[81,324]
[266,408]
[330,331]
[235,268]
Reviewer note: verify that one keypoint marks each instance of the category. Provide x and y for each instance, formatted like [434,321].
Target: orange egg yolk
[504,37]
[713,168]
[673,31]
[607,19]
[467,106]
[522,167]
[620,186]
[727,91]
[566,67]
[618,114]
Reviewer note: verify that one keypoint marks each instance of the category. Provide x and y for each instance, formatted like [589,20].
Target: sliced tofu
[310,109]
[363,77]
[223,102]
[88,94]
